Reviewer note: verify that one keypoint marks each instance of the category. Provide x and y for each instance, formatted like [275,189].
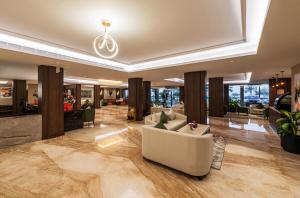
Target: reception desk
[274,115]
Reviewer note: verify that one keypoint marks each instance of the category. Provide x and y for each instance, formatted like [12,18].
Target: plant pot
[291,143]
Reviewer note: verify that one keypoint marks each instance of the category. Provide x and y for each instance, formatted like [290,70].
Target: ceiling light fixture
[105,45]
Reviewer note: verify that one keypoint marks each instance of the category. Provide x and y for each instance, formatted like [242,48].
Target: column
[216,97]
[147,98]
[19,97]
[77,96]
[97,96]
[135,99]
[194,95]
[51,99]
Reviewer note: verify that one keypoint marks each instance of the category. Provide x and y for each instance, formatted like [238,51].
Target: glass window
[234,92]
[166,97]
[253,94]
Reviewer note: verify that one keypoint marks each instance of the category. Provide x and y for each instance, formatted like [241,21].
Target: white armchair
[191,154]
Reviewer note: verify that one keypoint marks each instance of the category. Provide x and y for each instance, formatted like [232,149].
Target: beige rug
[218,153]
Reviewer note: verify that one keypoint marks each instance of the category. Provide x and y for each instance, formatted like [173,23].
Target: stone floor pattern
[106,161]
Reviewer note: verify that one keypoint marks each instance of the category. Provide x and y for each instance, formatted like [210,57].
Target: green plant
[288,125]
[233,105]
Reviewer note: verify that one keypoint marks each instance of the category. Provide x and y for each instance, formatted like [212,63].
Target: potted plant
[287,127]
[233,105]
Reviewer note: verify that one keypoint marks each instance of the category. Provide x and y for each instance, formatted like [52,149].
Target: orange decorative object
[68,106]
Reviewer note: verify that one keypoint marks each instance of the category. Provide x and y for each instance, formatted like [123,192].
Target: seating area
[117,99]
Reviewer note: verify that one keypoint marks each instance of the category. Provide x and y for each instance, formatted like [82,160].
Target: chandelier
[105,45]
[278,82]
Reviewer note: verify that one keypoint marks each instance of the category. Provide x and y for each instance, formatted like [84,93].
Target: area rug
[218,153]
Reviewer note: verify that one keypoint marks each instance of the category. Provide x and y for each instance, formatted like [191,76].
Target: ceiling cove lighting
[256,12]
[246,80]
[177,80]
[3,82]
[105,45]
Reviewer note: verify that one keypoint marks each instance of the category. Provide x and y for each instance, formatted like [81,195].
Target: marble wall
[20,129]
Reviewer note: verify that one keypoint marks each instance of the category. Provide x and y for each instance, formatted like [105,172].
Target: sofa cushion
[173,125]
[163,117]
[156,117]
[160,125]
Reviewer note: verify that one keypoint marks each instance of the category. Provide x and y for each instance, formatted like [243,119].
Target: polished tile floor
[106,161]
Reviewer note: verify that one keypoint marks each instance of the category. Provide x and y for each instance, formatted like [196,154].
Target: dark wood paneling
[19,97]
[77,96]
[135,99]
[181,91]
[274,114]
[226,98]
[147,98]
[97,96]
[216,97]
[273,90]
[194,96]
[50,93]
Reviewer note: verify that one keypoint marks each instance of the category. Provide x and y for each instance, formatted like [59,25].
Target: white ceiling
[279,47]
[143,29]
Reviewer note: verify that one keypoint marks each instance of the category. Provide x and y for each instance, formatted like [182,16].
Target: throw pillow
[160,125]
[163,117]
[171,114]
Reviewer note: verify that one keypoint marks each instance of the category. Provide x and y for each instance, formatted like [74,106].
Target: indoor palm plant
[287,127]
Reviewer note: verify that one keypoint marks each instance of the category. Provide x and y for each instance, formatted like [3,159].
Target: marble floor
[105,161]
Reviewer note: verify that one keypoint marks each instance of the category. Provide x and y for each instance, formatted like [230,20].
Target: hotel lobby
[195,98]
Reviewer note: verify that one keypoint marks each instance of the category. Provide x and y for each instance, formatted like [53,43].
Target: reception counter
[16,130]
[274,115]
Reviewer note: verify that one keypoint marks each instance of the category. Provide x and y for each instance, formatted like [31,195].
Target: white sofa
[173,125]
[191,154]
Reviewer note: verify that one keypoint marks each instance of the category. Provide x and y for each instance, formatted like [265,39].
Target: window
[253,94]
[166,97]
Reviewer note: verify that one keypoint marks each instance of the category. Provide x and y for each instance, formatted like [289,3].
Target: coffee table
[200,130]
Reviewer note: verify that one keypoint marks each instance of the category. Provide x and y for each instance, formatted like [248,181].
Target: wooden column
[51,99]
[77,96]
[135,99]
[226,98]
[216,97]
[97,96]
[147,98]
[181,91]
[19,97]
[194,95]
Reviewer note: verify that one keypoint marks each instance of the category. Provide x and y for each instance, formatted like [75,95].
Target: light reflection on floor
[249,126]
